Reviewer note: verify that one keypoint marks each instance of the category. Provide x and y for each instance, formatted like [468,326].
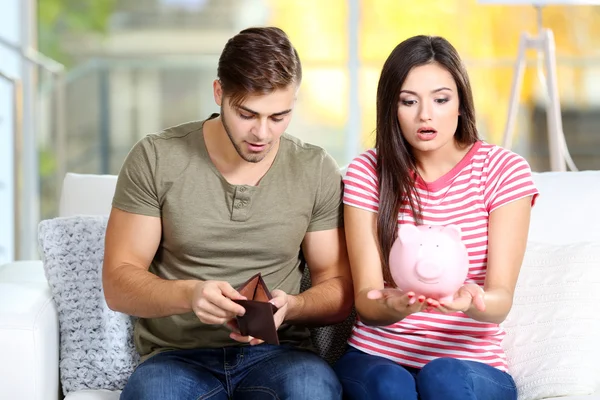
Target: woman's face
[428,108]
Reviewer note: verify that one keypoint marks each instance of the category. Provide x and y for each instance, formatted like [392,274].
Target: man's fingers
[233,325]
[239,338]
[235,335]
[227,304]
[210,319]
[229,291]
[213,294]
[279,298]
[210,308]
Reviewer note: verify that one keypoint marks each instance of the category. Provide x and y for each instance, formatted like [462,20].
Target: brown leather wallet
[258,320]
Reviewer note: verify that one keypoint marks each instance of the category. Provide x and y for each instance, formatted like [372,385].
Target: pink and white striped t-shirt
[487,177]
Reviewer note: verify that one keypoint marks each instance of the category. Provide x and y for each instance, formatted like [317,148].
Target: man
[199,209]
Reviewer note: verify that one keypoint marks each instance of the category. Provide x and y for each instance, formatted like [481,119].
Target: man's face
[255,126]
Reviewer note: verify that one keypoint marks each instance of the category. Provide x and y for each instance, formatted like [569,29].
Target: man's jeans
[365,377]
[246,373]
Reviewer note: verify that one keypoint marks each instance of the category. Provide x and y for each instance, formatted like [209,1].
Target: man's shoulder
[309,165]
[303,153]
[180,131]
[297,144]
[175,141]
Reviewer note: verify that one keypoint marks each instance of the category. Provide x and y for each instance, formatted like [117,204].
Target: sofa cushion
[96,345]
[86,194]
[566,207]
[552,330]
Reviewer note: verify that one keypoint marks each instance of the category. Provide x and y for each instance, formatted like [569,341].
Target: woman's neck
[432,165]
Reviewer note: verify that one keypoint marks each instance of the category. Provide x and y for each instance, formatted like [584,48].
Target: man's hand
[469,295]
[403,303]
[281,300]
[212,302]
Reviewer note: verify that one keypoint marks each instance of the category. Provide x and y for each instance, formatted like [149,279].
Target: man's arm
[330,298]
[130,245]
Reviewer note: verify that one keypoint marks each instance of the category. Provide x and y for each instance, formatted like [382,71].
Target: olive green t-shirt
[213,230]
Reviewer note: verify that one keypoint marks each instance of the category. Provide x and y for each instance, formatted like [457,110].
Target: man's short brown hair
[258,61]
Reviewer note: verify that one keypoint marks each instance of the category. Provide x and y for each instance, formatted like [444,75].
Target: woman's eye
[408,102]
[441,101]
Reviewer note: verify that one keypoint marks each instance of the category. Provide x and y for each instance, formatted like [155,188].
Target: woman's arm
[508,229]
[507,239]
[374,305]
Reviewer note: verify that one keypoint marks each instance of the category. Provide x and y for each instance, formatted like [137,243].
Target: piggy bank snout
[428,271]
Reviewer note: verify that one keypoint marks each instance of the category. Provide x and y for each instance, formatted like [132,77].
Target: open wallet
[258,320]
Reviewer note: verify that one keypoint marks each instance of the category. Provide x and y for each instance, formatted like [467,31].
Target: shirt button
[238,204]
[242,189]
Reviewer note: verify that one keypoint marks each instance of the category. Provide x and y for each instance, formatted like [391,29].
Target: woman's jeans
[246,373]
[364,376]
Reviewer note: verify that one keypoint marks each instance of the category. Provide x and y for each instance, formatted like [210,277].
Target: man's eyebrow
[433,91]
[280,113]
[277,114]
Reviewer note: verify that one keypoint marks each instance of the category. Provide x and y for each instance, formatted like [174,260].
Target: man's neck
[226,159]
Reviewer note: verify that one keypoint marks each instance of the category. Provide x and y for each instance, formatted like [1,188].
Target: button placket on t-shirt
[241,203]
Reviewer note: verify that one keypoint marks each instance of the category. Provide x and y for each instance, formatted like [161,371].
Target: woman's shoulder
[495,156]
[369,155]
[367,160]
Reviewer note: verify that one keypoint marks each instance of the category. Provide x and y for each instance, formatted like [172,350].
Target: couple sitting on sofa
[202,207]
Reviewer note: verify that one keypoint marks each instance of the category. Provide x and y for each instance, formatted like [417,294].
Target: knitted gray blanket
[96,343]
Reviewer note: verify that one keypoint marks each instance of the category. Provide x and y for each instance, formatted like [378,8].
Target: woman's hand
[468,296]
[404,303]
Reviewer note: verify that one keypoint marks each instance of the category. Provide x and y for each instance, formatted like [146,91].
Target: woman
[430,167]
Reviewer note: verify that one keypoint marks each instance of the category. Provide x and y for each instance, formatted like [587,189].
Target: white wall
[17,26]
[10,65]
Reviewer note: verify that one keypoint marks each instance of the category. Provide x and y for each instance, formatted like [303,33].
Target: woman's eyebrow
[433,91]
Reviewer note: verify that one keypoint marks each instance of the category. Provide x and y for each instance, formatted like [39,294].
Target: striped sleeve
[508,179]
[360,182]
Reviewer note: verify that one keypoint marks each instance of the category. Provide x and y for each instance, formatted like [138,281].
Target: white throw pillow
[553,330]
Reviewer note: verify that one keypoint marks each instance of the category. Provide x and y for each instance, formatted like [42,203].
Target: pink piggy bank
[429,260]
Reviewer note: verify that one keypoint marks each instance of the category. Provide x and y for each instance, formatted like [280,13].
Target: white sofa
[29,353]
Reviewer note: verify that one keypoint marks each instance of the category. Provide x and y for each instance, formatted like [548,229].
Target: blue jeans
[246,373]
[364,376]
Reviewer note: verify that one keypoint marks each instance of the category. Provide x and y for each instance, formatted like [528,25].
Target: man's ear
[218,92]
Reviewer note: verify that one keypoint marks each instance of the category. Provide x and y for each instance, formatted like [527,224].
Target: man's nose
[261,129]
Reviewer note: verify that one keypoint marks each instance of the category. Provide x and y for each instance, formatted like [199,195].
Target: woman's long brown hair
[396,164]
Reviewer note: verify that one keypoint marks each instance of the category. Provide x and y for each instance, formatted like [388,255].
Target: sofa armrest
[29,335]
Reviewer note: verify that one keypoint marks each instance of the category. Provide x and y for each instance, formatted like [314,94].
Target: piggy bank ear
[453,231]
[408,233]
